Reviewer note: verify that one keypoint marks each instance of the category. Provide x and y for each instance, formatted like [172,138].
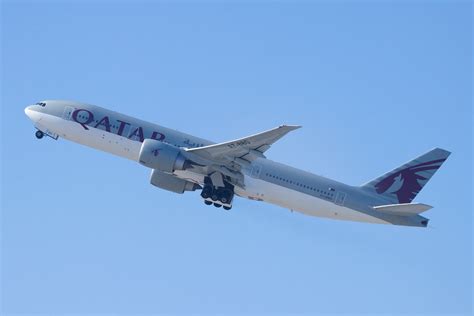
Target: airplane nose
[28,111]
[32,114]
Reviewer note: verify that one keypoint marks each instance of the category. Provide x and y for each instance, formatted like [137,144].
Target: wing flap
[405,209]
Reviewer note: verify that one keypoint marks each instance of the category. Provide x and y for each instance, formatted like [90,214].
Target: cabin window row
[300,185]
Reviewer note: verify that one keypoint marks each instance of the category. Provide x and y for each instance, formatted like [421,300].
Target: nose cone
[27,110]
[32,113]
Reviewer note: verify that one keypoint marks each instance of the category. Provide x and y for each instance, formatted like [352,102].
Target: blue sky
[373,83]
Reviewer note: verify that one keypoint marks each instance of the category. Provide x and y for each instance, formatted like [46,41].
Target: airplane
[181,162]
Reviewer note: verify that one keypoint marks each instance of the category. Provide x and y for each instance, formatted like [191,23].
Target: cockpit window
[41,104]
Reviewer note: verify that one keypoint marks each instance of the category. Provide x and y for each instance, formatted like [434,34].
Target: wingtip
[290,127]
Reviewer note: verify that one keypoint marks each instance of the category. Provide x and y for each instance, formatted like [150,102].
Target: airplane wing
[242,150]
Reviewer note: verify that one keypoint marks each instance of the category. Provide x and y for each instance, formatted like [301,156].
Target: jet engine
[161,156]
[171,183]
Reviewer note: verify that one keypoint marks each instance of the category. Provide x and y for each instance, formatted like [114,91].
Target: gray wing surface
[246,149]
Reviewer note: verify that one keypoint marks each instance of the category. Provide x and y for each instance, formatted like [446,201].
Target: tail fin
[402,184]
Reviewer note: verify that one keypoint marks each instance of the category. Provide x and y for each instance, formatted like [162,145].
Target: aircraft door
[340,198]
[256,171]
[67,114]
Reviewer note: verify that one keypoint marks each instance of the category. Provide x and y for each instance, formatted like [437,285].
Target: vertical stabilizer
[402,184]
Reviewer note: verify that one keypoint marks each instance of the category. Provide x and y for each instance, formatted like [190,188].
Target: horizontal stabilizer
[406,209]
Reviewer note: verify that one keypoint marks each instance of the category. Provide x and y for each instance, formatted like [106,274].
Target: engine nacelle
[171,183]
[158,155]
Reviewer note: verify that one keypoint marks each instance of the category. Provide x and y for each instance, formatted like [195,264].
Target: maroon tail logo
[409,178]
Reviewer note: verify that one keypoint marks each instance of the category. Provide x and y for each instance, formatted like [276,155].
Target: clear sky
[374,84]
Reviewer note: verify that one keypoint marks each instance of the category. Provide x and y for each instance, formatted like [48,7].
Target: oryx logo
[156,152]
[405,182]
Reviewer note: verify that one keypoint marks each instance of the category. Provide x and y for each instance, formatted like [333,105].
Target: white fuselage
[256,186]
